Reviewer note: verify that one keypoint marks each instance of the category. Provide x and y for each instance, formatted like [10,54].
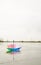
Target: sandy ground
[4,57]
[30,54]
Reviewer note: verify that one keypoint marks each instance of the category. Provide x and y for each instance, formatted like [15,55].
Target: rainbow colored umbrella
[12,48]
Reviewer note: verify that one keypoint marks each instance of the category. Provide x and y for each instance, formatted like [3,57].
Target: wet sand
[30,54]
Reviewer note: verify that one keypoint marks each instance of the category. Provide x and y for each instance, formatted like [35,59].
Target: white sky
[20,19]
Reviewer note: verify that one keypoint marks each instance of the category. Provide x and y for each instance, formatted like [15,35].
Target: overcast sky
[20,19]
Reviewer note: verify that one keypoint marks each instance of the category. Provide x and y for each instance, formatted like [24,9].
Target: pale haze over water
[20,19]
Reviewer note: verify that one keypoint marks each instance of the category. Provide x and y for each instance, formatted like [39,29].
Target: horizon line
[23,41]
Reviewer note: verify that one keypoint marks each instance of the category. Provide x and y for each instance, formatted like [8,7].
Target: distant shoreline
[21,41]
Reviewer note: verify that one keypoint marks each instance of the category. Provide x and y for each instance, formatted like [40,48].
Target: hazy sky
[20,19]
